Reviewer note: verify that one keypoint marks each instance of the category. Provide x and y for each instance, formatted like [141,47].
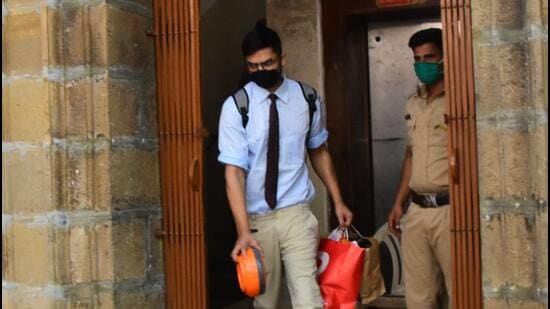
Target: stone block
[78,100]
[15,4]
[101,109]
[98,35]
[61,251]
[493,303]
[525,304]
[7,299]
[139,299]
[134,177]
[105,250]
[129,255]
[513,75]
[102,185]
[5,122]
[489,164]
[24,50]
[487,83]
[32,264]
[535,11]
[149,124]
[509,14]
[493,251]
[106,300]
[128,44]
[508,242]
[538,80]
[156,254]
[516,166]
[54,39]
[79,182]
[482,17]
[81,253]
[28,180]
[26,115]
[82,177]
[84,35]
[28,299]
[538,156]
[124,100]
[545,12]
[541,229]
[7,253]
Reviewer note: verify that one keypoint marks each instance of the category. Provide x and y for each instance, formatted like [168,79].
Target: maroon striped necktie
[272,168]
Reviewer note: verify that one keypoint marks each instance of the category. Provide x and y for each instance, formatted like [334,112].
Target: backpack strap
[241,102]
[311,96]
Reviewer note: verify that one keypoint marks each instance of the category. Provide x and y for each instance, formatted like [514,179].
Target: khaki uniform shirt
[427,136]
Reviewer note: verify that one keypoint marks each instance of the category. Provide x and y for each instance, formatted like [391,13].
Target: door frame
[345,22]
[344,25]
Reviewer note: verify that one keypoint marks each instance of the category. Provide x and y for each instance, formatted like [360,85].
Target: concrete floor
[382,302]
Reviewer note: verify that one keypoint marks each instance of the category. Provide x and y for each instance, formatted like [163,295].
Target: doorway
[391,82]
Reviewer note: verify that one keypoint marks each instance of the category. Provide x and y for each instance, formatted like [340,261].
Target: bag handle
[359,234]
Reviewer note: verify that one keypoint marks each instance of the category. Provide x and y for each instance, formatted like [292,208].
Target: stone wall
[511,75]
[80,180]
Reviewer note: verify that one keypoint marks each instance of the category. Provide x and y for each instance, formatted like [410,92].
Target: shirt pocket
[438,131]
[256,137]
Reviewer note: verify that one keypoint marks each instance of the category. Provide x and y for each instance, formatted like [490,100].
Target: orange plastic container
[251,272]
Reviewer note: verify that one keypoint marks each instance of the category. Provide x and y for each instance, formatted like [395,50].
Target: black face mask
[266,78]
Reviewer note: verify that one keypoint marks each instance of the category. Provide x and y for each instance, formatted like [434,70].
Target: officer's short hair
[259,38]
[431,35]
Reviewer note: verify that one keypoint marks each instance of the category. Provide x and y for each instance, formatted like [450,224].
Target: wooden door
[176,32]
[463,185]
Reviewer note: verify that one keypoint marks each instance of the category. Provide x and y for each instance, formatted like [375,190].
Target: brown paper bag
[372,284]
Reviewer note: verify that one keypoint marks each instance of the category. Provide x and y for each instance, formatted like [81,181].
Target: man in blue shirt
[267,180]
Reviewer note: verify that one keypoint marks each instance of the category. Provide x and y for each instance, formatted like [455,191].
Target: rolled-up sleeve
[232,136]
[318,133]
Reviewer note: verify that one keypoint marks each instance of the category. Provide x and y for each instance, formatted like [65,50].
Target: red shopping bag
[340,266]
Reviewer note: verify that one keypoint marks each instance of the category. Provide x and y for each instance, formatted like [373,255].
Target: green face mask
[428,73]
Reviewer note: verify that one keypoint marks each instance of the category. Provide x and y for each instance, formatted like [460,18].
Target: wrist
[339,204]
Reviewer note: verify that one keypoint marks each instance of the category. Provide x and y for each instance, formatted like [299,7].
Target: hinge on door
[150,32]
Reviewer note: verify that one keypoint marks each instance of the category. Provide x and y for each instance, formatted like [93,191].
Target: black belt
[431,200]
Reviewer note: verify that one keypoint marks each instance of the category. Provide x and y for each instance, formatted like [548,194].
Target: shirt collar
[422,92]
[260,94]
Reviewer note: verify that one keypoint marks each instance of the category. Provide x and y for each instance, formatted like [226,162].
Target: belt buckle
[431,200]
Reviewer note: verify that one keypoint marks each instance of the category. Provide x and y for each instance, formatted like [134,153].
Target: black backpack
[241,102]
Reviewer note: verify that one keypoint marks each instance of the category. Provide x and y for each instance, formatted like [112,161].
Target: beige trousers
[426,256]
[289,239]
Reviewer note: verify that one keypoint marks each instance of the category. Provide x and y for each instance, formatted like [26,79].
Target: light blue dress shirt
[247,148]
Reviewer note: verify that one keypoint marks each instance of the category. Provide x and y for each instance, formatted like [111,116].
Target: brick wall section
[80,180]
[511,61]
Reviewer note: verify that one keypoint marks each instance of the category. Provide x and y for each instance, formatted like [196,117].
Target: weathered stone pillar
[80,180]
[511,74]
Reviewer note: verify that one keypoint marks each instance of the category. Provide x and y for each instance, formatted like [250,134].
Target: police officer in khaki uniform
[426,238]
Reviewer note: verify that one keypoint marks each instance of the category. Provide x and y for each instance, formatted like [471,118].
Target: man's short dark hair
[431,35]
[259,38]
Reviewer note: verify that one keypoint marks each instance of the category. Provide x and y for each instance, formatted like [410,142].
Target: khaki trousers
[426,256]
[289,240]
